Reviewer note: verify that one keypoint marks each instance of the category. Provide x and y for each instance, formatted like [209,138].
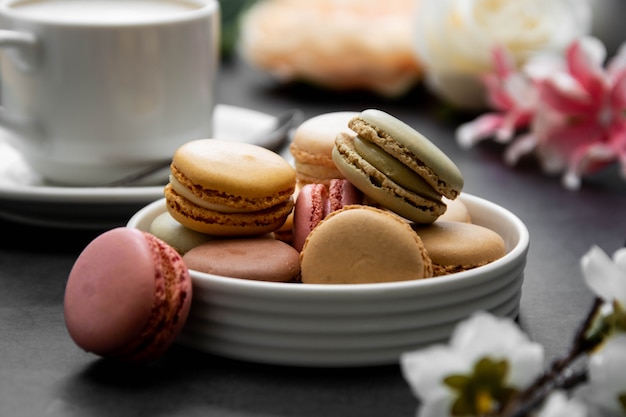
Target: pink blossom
[511,94]
[574,108]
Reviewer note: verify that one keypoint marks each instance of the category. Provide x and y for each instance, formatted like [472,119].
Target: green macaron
[396,166]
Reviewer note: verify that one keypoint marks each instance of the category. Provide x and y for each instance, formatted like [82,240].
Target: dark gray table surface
[43,373]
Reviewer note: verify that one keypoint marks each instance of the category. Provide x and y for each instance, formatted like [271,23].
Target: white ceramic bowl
[349,325]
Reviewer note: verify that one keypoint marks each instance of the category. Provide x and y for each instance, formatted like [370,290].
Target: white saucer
[25,197]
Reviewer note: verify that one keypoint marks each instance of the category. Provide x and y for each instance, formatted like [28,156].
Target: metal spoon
[272,139]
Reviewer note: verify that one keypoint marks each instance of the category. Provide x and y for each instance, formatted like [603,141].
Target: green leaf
[456,382]
[483,391]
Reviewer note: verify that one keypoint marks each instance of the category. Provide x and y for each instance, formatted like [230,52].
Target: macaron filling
[410,148]
[380,188]
[394,169]
[221,208]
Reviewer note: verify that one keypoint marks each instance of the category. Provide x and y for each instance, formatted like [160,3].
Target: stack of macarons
[236,195]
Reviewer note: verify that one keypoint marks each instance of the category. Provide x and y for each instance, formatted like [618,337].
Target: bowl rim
[515,254]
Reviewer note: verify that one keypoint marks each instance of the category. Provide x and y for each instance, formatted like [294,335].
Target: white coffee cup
[92,90]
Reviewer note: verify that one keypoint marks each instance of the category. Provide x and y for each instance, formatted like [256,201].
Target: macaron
[175,234]
[363,244]
[127,296]
[316,201]
[456,211]
[396,166]
[312,146]
[459,246]
[253,258]
[285,232]
[228,188]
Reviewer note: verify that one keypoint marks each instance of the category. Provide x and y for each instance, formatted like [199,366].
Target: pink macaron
[316,201]
[127,296]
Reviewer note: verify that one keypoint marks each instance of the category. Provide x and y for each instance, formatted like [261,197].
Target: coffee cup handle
[23,50]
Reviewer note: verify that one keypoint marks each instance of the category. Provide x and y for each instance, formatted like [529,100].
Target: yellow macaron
[229,188]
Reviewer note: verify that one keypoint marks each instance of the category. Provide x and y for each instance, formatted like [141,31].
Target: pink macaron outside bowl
[349,325]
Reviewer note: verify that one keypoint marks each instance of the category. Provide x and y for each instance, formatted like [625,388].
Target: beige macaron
[458,246]
[362,244]
[456,211]
[312,147]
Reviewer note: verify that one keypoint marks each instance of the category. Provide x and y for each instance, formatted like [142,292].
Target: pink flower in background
[575,109]
[509,92]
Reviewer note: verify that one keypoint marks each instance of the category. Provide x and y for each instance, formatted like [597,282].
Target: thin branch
[558,376]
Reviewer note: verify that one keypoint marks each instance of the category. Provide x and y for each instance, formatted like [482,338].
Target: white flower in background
[454,38]
[605,276]
[487,360]
[606,391]
[559,405]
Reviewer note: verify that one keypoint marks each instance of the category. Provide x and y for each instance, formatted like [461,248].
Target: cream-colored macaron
[362,244]
[312,146]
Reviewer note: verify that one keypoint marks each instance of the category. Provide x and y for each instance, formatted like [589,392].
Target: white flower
[454,38]
[606,391]
[605,276]
[559,405]
[480,346]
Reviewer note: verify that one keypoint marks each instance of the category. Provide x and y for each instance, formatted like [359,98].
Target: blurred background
[389,47]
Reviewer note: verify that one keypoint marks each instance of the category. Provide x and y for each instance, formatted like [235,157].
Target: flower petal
[484,334]
[618,92]
[558,405]
[619,257]
[585,160]
[523,145]
[436,406]
[526,364]
[603,276]
[585,58]
[607,378]
[470,133]
[563,93]
[542,66]
[426,369]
